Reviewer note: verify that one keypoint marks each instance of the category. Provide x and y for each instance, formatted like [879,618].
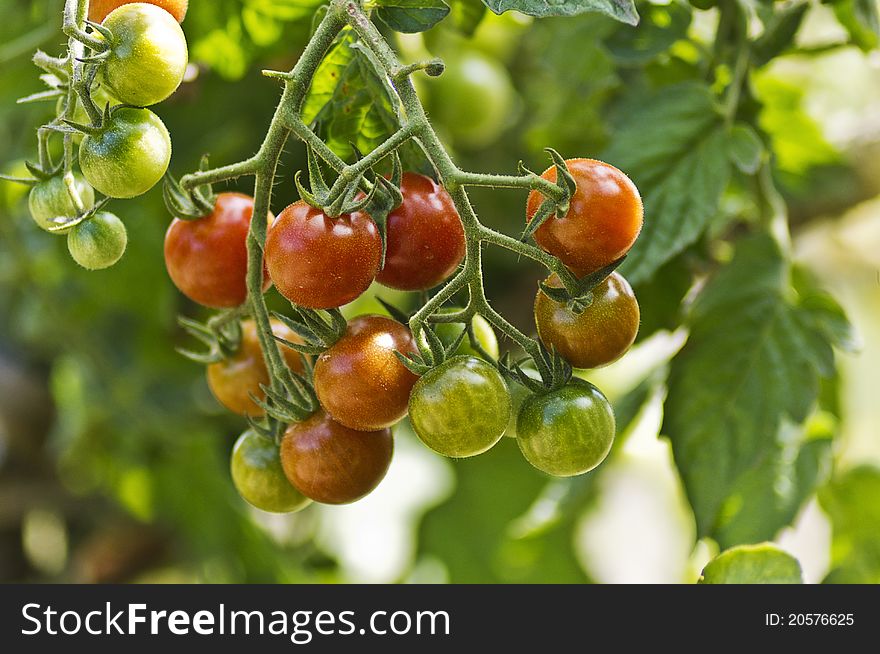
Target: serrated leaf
[745,148]
[739,392]
[412,16]
[852,502]
[753,564]
[622,10]
[675,149]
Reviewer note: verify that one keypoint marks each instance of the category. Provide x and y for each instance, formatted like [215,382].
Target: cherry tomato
[568,431]
[483,331]
[603,220]
[50,200]
[129,155]
[601,334]
[461,407]
[259,477]
[98,9]
[424,237]
[207,258]
[474,99]
[359,380]
[333,464]
[148,56]
[320,262]
[233,381]
[98,242]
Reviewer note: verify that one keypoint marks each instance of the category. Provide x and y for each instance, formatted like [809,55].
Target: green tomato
[50,201]
[129,155]
[259,477]
[461,407]
[473,99]
[568,431]
[148,56]
[98,242]
[483,331]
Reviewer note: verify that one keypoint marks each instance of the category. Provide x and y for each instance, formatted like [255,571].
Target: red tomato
[98,9]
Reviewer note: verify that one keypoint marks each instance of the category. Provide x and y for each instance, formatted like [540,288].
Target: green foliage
[852,502]
[410,16]
[753,564]
[622,10]
[746,465]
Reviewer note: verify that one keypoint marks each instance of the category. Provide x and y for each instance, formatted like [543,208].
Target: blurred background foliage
[114,455]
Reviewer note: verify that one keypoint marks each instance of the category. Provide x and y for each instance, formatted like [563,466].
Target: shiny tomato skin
[603,221]
[425,239]
[49,200]
[601,334]
[260,479]
[359,381]
[207,258]
[568,431]
[460,408]
[320,262]
[332,464]
[98,9]
[234,380]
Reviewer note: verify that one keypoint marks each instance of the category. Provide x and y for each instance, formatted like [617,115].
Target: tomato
[98,242]
[601,334]
[50,200]
[148,56]
[98,9]
[568,431]
[483,331]
[424,237]
[320,262]
[233,381]
[473,99]
[207,258]
[359,380]
[333,464]
[129,155]
[603,220]
[461,407]
[259,477]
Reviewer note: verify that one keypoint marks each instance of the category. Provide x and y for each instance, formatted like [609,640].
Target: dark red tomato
[233,381]
[207,258]
[599,335]
[424,237]
[359,381]
[320,262]
[602,223]
[330,463]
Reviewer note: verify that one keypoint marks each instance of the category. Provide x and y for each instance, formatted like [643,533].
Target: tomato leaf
[852,501]
[753,564]
[412,16]
[675,149]
[740,391]
[622,10]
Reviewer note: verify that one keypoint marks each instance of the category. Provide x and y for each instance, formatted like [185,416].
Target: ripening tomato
[601,334]
[568,431]
[359,380]
[260,479]
[50,202]
[235,380]
[207,258]
[98,242]
[603,220]
[332,464]
[148,56]
[98,9]
[129,155]
[461,407]
[320,262]
[424,237]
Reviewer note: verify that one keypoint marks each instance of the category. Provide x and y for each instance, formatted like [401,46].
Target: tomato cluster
[460,405]
[127,152]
